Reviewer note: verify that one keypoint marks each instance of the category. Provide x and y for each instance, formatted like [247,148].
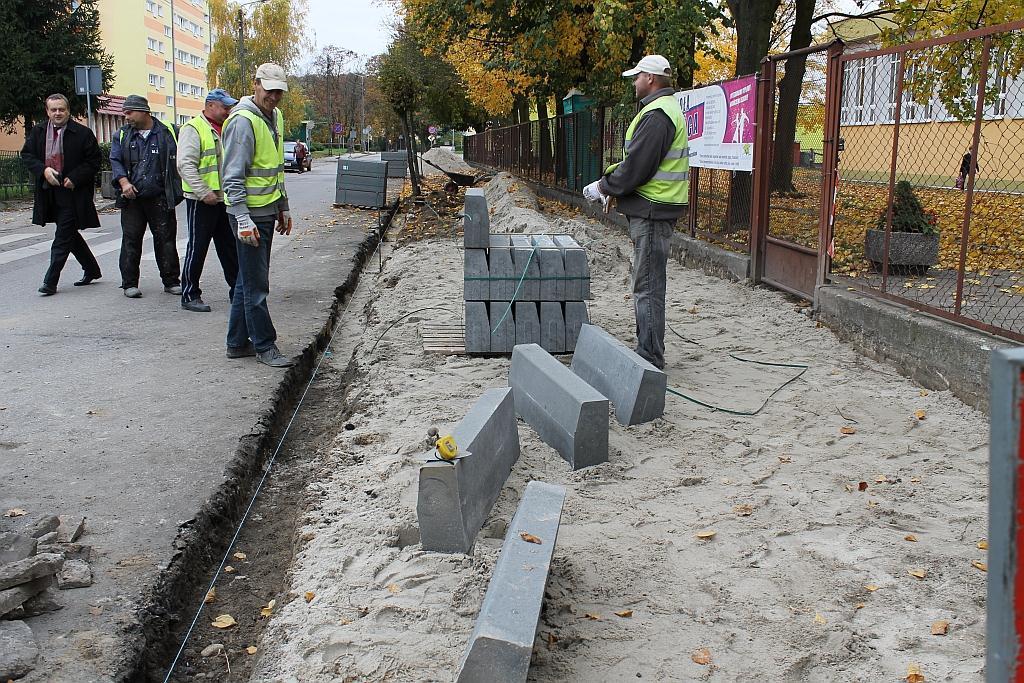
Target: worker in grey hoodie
[257,205]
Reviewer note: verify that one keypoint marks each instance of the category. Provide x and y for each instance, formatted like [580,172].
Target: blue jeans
[651,241]
[249,318]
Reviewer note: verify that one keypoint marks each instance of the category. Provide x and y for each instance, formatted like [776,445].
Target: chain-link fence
[15,180]
[930,201]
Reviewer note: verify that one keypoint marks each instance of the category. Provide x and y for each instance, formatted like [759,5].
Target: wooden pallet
[444,338]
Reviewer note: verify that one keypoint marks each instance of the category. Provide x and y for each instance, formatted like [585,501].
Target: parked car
[297,157]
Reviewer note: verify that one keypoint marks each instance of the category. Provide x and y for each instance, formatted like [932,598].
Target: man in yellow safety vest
[199,161]
[651,188]
[257,204]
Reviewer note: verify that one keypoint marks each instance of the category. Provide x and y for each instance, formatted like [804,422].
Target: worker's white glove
[592,192]
[247,231]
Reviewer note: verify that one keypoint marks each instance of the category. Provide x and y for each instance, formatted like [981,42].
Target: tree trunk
[544,150]
[789,100]
[753,20]
[410,154]
[522,135]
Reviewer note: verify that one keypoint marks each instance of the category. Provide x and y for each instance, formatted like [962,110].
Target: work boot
[86,280]
[47,290]
[196,306]
[173,289]
[274,358]
[133,292]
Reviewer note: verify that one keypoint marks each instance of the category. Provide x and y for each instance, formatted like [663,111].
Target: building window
[167,65]
[170,100]
[159,10]
[151,6]
[183,119]
[167,31]
[163,82]
[151,44]
[161,44]
[183,88]
[154,80]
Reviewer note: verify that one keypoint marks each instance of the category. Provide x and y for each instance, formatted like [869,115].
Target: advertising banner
[720,124]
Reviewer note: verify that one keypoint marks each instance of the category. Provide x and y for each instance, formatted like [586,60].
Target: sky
[357,25]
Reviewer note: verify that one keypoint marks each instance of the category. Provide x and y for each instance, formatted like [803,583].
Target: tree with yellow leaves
[272,33]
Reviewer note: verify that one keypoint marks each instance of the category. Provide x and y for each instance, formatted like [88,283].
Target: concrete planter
[107,185]
[909,252]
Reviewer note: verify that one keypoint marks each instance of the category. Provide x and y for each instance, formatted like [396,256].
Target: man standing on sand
[64,158]
[651,188]
[199,163]
[257,204]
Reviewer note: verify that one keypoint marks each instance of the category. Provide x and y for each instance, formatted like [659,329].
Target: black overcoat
[81,164]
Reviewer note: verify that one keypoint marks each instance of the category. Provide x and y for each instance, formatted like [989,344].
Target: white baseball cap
[272,77]
[651,64]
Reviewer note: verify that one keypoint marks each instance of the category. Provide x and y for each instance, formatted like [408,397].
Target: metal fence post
[765,122]
[979,115]
[1004,657]
[830,159]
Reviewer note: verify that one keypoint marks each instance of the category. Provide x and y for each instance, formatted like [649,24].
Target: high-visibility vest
[671,182]
[209,164]
[264,181]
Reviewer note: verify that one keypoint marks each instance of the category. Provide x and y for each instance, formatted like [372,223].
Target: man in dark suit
[64,158]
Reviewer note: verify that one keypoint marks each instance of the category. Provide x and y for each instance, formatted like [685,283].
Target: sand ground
[822,505]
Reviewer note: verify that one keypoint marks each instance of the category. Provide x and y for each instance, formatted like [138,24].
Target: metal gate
[791,214]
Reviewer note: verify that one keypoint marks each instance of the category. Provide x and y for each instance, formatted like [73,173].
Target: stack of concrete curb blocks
[548,309]
[362,183]
[456,497]
[634,386]
[502,640]
[567,413]
[398,163]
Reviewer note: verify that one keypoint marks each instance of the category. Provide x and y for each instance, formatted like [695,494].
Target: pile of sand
[806,578]
[447,159]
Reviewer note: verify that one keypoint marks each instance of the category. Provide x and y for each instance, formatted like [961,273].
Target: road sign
[88,80]
[432,130]
[367,130]
[337,129]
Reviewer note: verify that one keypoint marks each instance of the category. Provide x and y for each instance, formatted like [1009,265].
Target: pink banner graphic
[720,124]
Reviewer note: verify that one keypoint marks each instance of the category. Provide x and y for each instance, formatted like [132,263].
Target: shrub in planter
[914,241]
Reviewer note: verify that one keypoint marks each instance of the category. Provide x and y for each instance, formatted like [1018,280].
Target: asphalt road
[127,411]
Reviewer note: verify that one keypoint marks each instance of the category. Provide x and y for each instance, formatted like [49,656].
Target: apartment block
[160,49]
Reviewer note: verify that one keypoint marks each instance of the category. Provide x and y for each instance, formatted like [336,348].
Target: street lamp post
[241,38]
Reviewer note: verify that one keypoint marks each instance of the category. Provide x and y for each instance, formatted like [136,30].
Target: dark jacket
[155,172]
[651,141]
[81,164]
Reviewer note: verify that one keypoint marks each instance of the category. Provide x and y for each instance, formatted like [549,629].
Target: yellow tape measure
[447,448]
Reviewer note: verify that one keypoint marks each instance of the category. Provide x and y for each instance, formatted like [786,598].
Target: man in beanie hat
[143,159]
[651,187]
[199,163]
[253,180]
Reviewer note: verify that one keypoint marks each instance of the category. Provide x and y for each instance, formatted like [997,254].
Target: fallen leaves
[862,486]
[978,564]
[240,555]
[706,535]
[871,588]
[592,616]
[784,459]
[846,429]
[910,537]
[224,621]
[394,588]
[923,392]
[983,544]
[15,512]
[940,627]
[625,614]
[211,595]
[914,674]
[917,573]
[269,609]
[308,596]
[529,538]
[743,510]
[919,414]
[819,619]
[701,656]
[251,649]
[228,569]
